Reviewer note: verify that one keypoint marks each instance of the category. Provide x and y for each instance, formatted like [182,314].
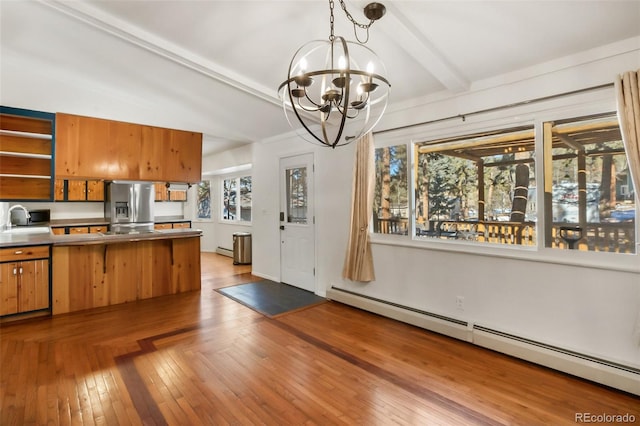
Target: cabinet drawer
[97,229]
[24,253]
[58,231]
[79,230]
[181,225]
[162,226]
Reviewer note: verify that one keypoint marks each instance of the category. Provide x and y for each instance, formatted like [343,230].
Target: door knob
[282,227]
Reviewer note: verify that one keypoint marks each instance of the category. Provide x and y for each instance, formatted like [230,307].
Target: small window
[236,208]
[204,200]
[391,201]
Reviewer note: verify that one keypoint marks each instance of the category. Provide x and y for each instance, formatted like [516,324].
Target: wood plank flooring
[201,358]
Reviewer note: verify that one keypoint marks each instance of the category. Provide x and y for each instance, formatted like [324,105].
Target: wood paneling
[11,143]
[19,123]
[93,148]
[91,276]
[24,188]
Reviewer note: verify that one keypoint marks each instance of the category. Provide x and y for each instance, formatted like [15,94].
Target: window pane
[245,198]
[229,199]
[204,200]
[391,204]
[479,187]
[297,195]
[592,201]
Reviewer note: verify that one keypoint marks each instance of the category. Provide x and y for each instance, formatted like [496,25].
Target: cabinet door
[33,287]
[76,190]
[95,190]
[161,191]
[59,190]
[8,288]
[82,145]
[183,163]
[178,195]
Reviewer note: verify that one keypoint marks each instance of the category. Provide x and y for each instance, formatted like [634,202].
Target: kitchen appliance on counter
[129,206]
[19,217]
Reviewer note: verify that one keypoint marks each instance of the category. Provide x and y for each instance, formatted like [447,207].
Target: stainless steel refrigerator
[129,206]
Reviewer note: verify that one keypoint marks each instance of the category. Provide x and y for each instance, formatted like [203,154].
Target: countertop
[99,221]
[20,240]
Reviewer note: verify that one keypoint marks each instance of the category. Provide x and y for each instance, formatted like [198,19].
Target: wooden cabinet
[26,152]
[163,193]
[95,190]
[94,275]
[172,225]
[79,190]
[91,229]
[76,190]
[24,279]
[93,148]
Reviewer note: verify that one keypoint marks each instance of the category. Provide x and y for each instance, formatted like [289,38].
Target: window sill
[596,260]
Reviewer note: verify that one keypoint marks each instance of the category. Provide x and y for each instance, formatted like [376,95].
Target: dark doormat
[271,298]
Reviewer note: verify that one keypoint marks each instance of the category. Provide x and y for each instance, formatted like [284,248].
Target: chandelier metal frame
[337,96]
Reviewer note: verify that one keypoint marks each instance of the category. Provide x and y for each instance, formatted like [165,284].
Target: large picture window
[484,188]
[479,187]
[236,199]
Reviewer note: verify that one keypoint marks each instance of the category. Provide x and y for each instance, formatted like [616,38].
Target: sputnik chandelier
[336,89]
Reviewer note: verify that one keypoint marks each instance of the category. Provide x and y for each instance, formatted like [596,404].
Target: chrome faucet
[17,206]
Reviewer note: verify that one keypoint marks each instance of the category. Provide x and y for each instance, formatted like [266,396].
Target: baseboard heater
[616,375]
[225,252]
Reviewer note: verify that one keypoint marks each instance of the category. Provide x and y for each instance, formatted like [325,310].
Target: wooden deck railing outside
[607,237]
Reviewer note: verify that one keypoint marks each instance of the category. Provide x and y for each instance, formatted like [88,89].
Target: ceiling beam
[415,43]
[111,25]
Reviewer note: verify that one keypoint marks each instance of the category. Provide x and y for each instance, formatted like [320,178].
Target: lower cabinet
[24,279]
[90,276]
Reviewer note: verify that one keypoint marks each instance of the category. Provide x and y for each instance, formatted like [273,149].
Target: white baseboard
[265,276]
[224,251]
[625,378]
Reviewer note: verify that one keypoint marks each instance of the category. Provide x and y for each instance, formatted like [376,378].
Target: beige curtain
[358,262]
[629,117]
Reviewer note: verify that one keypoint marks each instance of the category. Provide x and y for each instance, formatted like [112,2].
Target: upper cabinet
[93,148]
[26,152]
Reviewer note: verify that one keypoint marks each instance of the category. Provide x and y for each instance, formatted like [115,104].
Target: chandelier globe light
[335,91]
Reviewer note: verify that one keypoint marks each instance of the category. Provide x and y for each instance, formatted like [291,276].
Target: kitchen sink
[27,230]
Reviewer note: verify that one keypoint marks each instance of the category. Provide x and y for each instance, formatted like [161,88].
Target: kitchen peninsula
[94,270]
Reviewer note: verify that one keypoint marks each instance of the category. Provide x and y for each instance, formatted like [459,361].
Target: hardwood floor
[201,358]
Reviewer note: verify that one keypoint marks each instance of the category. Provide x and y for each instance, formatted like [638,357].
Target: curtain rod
[498,108]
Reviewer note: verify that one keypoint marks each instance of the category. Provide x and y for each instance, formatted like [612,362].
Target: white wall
[586,305]
[216,233]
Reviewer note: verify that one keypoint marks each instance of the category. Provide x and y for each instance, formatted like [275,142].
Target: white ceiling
[215,66]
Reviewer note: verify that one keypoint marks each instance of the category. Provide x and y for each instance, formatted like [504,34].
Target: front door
[297,230]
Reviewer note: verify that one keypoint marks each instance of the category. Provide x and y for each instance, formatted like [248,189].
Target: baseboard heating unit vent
[224,251]
[619,376]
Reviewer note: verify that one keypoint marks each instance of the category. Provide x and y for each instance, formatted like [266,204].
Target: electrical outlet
[460,303]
